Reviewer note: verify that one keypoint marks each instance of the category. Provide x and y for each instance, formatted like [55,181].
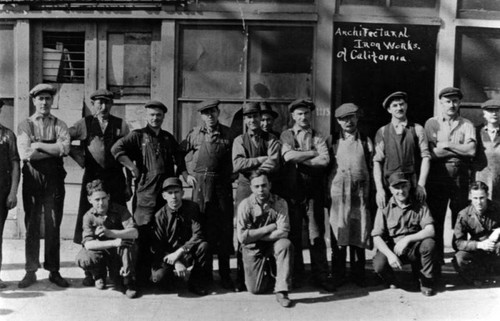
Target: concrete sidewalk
[45,301]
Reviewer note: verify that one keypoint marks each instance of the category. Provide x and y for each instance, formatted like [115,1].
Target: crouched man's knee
[87,259]
[428,246]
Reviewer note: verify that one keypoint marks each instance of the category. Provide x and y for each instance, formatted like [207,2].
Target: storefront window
[479,9]
[6,61]
[392,3]
[129,65]
[63,57]
[477,64]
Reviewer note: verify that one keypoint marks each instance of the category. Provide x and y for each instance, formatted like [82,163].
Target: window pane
[493,5]
[212,62]
[364,2]
[280,62]
[414,3]
[6,61]
[478,74]
[63,57]
[129,65]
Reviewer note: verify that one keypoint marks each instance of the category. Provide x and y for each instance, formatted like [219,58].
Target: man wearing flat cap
[97,133]
[267,118]
[9,178]
[350,217]
[400,146]
[178,241]
[403,232]
[255,150]
[207,151]
[43,141]
[152,155]
[486,164]
[306,158]
[452,143]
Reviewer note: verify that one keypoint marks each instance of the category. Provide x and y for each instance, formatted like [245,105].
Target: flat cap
[102,94]
[207,104]
[451,91]
[265,108]
[251,108]
[156,104]
[346,109]
[306,103]
[491,104]
[42,88]
[395,95]
[171,182]
[398,177]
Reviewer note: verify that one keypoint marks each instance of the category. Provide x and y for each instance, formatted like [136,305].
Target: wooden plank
[168,73]
[102,56]
[91,54]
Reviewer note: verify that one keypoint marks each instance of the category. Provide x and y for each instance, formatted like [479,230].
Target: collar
[345,135]
[93,211]
[394,203]
[252,133]
[497,128]
[151,131]
[38,115]
[456,119]
[258,207]
[214,130]
[396,123]
[297,129]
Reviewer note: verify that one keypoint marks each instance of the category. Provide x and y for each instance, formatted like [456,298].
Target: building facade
[184,51]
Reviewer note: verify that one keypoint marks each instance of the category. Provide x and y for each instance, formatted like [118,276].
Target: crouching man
[403,233]
[476,237]
[262,228]
[108,240]
[178,242]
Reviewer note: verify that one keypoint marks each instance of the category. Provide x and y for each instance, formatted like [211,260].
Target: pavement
[45,301]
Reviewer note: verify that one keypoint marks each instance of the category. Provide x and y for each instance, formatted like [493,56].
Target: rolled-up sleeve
[243,223]
[321,147]
[423,143]
[282,220]
[63,138]
[88,228]
[379,146]
[24,141]
[379,226]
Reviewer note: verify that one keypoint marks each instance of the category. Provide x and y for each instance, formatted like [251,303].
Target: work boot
[88,280]
[58,280]
[100,284]
[29,279]
[196,289]
[283,300]
[130,287]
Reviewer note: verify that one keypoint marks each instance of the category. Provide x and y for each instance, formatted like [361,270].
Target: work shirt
[486,164]
[116,218]
[39,128]
[473,227]
[457,131]
[304,140]
[252,215]
[394,222]
[251,145]
[173,229]
[8,155]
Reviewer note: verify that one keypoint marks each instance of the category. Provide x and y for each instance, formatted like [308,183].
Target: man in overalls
[97,133]
[208,160]
[254,150]
[9,178]
[43,141]
[306,158]
[152,155]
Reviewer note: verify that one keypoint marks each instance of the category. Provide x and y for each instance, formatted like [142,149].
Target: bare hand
[394,262]
[381,199]
[135,172]
[443,145]
[11,200]
[101,231]
[191,180]
[180,270]
[421,194]
[35,146]
[172,257]
[495,235]
[401,246]
[486,245]
[262,159]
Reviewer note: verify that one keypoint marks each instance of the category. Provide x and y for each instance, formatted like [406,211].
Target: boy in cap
[178,241]
[486,164]
[263,228]
[452,143]
[108,240]
[477,237]
[97,133]
[400,146]
[152,155]
[253,150]
[403,233]
[350,217]
[306,158]
[43,141]
[9,178]
[208,159]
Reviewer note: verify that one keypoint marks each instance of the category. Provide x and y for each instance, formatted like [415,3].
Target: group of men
[282,182]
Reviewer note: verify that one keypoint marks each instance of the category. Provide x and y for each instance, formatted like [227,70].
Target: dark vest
[252,151]
[402,152]
[104,141]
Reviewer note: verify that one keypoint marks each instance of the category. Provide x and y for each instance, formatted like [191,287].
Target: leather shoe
[240,287]
[100,284]
[427,291]
[283,300]
[58,280]
[197,290]
[227,283]
[131,291]
[29,279]
[88,280]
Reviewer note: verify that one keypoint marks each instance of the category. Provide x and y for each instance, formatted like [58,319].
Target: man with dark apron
[208,160]
[97,133]
[254,150]
[9,178]
[152,155]
[43,141]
